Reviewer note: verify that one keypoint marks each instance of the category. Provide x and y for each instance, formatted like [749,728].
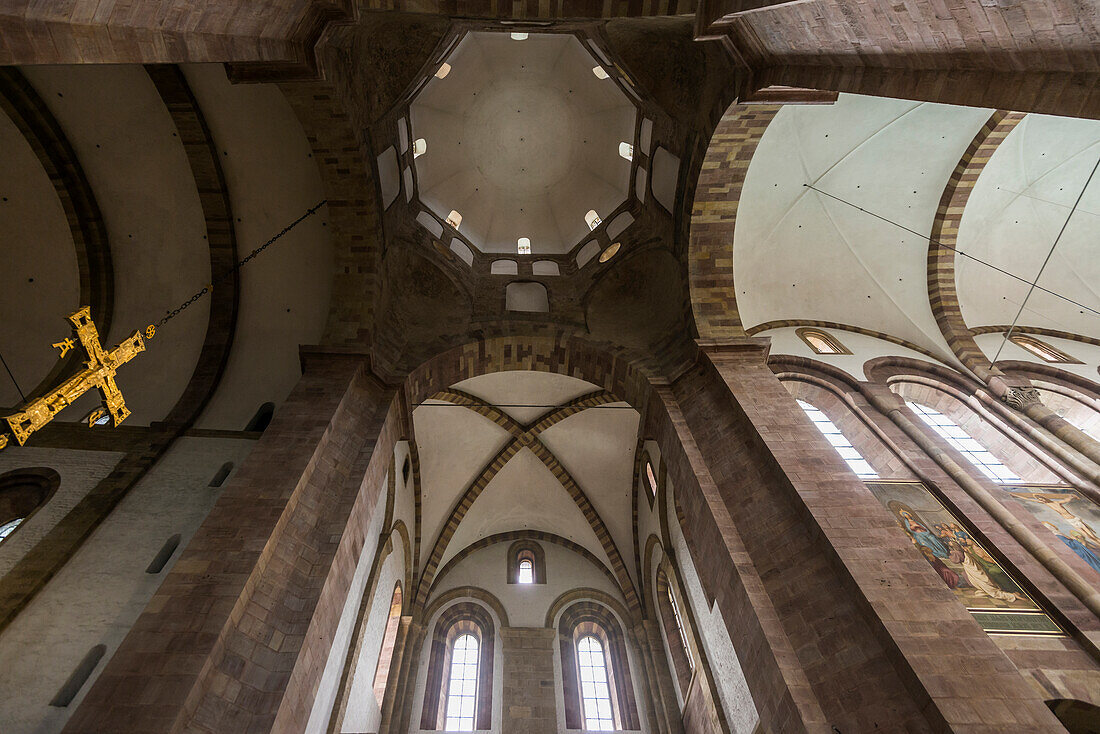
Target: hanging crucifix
[101,364]
[98,373]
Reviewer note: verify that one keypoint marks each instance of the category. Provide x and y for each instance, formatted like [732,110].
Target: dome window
[420,147]
[600,72]
[523,246]
[443,71]
[454,219]
[518,36]
[593,219]
[626,150]
[610,252]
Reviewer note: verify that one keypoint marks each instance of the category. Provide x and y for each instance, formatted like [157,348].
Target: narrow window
[7,528]
[595,690]
[454,219]
[961,441]
[462,685]
[406,470]
[839,442]
[526,572]
[385,653]
[222,475]
[518,36]
[600,72]
[262,419]
[820,342]
[1042,350]
[420,147]
[626,150]
[523,246]
[680,626]
[79,677]
[593,219]
[650,479]
[610,252]
[163,555]
[443,71]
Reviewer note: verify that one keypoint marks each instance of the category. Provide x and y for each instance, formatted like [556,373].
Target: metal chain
[151,330]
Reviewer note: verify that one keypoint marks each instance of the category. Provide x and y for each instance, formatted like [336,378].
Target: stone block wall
[529,686]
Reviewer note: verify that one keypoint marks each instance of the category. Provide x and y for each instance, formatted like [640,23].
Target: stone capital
[1022,398]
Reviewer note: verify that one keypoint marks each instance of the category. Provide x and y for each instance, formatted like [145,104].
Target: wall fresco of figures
[1072,519]
[965,566]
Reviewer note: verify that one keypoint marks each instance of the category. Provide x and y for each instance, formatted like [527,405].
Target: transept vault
[681,367]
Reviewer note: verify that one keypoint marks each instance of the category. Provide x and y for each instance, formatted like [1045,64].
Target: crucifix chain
[102,364]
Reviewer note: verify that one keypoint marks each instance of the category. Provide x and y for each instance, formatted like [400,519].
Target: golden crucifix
[99,372]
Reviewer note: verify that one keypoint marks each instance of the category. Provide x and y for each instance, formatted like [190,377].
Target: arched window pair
[459,693]
[599,694]
[951,432]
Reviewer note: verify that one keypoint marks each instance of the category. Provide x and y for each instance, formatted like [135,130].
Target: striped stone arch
[836,325]
[942,292]
[526,437]
[714,217]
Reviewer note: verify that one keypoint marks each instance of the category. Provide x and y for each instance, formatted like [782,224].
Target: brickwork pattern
[1055,667]
[352,211]
[1035,57]
[778,478]
[221,641]
[944,240]
[714,218]
[529,681]
[785,323]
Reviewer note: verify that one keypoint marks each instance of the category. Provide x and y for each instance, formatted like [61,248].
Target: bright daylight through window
[960,440]
[842,445]
[462,686]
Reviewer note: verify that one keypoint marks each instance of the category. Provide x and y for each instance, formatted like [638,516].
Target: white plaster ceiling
[454,445]
[1088,354]
[801,255]
[524,495]
[1020,202]
[522,140]
[596,446]
[284,295]
[516,390]
[39,282]
[124,139]
[128,146]
[864,348]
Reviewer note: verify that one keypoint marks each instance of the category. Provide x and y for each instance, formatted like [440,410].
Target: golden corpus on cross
[99,373]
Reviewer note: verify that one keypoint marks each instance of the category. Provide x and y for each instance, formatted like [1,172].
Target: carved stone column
[842,623]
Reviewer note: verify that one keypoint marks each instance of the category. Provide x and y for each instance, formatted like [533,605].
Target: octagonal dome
[522,140]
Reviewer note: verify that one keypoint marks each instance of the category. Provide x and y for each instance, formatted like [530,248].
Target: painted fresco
[975,577]
[1072,519]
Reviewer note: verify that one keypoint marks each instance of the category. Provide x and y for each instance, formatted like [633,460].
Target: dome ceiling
[522,140]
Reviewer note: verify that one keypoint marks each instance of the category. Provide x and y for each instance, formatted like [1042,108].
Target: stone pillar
[391,707]
[236,637]
[664,711]
[842,623]
[529,706]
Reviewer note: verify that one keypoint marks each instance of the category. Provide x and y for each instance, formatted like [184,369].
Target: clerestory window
[964,443]
[839,441]
[526,573]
